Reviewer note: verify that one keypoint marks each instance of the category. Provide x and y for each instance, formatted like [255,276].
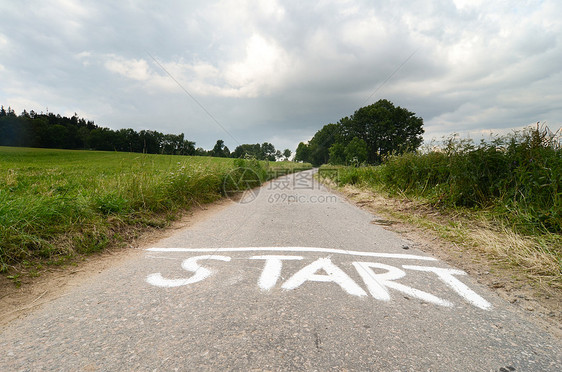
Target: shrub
[518,176]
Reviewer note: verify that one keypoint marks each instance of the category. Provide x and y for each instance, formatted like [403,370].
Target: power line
[194,99]
[390,76]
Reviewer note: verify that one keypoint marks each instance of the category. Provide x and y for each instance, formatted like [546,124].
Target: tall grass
[61,202]
[517,177]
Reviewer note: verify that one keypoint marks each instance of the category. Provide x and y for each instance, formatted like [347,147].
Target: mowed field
[56,203]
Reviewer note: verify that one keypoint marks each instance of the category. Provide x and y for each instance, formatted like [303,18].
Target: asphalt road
[293,278]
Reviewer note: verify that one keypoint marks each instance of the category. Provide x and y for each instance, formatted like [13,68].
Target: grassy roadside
[520,269]
[493,210]
[536,257]
[502,198]
[55,204]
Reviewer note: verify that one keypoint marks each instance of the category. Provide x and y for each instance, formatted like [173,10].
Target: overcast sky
[278,71]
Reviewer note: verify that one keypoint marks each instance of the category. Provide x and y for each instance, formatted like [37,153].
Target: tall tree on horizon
[381,128]
[385,129]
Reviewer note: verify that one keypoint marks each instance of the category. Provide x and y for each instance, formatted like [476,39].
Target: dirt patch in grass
[486,252]
[36,287]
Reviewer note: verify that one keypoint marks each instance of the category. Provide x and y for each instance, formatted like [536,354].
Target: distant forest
[30,129]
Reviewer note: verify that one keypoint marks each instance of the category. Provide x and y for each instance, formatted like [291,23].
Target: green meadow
[57,203]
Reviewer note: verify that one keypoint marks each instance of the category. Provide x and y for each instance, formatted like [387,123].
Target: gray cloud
[278,71]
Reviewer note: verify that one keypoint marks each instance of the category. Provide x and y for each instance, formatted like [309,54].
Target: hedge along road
[291,277]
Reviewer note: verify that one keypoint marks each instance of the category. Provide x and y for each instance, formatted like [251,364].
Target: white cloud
[284,69]
[263,68]
[366,32]
[136,69]
[468,4]
[72,8]
[3,41]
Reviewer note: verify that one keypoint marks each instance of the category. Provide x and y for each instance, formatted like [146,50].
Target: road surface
[291,277]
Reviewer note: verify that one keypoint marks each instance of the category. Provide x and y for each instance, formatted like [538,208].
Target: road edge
[517,292]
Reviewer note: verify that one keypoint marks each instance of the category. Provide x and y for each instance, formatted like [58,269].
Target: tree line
[368,136]
[31,129]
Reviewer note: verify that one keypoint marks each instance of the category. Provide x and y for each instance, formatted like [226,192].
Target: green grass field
[56,203]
